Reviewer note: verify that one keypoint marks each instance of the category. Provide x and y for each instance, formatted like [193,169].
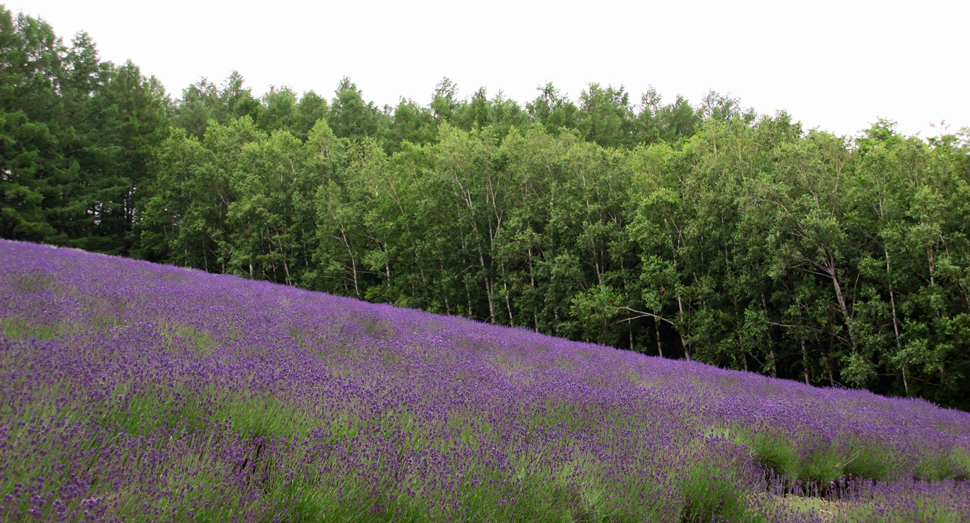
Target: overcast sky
[835,65]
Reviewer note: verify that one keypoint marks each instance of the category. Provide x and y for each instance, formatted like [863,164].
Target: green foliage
[606,116]
[702,232]
[552,110]
[712,493]
[749,246]
[351,117]
[76,139]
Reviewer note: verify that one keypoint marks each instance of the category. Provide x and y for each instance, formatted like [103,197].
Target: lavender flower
[143,392]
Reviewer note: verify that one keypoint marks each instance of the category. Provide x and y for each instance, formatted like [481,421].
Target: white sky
[835,65]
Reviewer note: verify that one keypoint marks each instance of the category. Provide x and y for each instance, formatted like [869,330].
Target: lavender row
[130,391]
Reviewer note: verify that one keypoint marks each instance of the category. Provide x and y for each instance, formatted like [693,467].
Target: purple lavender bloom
[144,392]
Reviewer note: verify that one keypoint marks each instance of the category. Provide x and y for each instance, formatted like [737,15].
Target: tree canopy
[700,231]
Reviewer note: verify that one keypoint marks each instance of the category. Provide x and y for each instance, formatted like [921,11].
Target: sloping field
[138,392]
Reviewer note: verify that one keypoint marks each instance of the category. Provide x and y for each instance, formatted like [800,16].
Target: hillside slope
[139,392]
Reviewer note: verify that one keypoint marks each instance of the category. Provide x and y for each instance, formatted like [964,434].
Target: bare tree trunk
[833,273]
[805,361]
[286,267]
[441,268]
[468,291]
[508,305]
[491,302]
[488,286]
[353,259]
[771,346]
[899,343]
[532,281]
[683,340]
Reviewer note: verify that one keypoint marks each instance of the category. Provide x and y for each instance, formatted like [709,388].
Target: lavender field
[137,392]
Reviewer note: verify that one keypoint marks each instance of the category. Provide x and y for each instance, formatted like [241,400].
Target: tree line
[700,231]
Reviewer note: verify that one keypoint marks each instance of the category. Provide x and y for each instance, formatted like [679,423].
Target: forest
[701,231]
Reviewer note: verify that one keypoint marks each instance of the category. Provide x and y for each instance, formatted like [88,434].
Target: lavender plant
[137,392]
